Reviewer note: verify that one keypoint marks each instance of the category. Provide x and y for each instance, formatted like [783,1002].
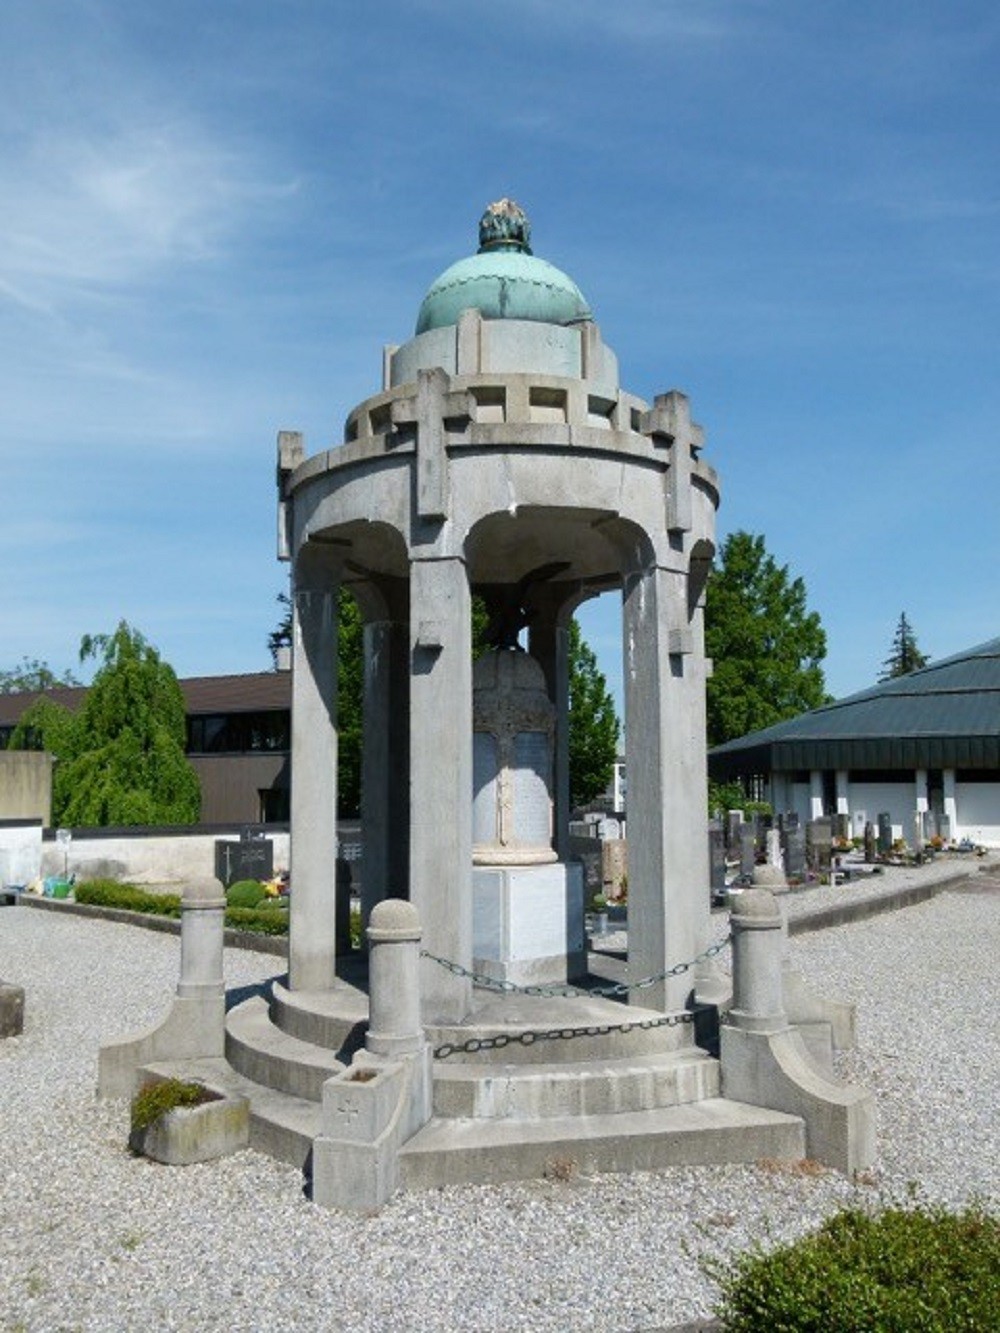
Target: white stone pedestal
[527,923]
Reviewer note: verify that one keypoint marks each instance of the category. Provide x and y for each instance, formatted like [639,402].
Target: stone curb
[823,918]
[167,925]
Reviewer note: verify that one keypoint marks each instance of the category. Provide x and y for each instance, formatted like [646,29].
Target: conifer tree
[905,656]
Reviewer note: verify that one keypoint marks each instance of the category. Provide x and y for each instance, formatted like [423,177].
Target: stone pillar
[384,765]
[843,792]
[394,1026]
[548,643]
[950,798]
[312,942]
[765,1062]
[441,777]
[195,1025]
[816,794]
[667,806]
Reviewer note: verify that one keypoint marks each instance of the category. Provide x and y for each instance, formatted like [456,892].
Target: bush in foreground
[245,893]
[919,1270]
[127,897]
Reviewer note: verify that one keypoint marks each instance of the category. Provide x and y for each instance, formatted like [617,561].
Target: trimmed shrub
[919,1270]
[259,920]
[127,898]
[245,893]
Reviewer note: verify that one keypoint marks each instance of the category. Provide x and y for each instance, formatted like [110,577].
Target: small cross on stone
[428,409]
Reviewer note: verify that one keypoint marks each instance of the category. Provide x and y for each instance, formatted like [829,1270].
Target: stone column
[548,643]
[816,794]
[441,777]
[667,814]
[950,798]
[385,766]
[843,792]
[312,942]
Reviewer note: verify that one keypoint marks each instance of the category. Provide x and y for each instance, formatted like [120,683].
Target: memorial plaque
[484,794]
[532,807]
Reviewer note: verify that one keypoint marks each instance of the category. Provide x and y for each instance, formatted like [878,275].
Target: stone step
[264,1054]
[281,1126]
[600,1087]
[335,1019]
[459,1152]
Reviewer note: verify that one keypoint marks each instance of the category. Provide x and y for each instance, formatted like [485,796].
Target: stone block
[11,1009]
[528,922]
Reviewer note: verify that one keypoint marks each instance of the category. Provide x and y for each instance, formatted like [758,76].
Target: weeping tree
[121,759]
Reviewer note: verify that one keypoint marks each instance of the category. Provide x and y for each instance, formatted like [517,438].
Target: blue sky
[216,213]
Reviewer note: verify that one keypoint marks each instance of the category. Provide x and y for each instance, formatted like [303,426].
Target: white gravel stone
[94,1239]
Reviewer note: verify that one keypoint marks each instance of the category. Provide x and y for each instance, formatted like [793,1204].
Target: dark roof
[262,691]
[947,715]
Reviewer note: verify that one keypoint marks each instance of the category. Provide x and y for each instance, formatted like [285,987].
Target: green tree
[905,656]
[121,759]
[766,646]
[593,723]
[30,674]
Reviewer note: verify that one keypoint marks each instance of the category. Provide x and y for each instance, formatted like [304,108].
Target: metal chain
[502,1039]
[551,992]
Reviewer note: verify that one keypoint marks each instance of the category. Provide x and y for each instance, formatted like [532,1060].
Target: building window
[239,733]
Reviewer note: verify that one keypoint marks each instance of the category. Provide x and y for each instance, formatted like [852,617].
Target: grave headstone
[250,858]
[734,822]
[795,853]
[716,858]
[773,840]
[842,826]
[748,849]
[871,843]
[819,843]
[884,833]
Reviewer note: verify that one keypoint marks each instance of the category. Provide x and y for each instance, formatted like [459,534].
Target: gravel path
[94,1239]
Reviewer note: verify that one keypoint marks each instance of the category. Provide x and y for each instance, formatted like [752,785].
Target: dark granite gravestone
[250,858]
[794,847]
[734,822]
[748,849]
[871,843]
[716,857]
[884,833]
[842,826]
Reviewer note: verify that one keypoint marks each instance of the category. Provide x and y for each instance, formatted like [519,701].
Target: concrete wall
[25,785]
[165,858]
[978,805]
[20,851]
[897,799]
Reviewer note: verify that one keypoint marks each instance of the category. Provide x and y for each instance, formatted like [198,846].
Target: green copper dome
[504,280]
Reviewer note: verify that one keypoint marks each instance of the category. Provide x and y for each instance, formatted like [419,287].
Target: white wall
[978,805]
[157,859]
[898,799]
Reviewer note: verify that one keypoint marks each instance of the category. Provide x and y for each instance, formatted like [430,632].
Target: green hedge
[258,920]
[914,1270]
[245,893]
[127,897]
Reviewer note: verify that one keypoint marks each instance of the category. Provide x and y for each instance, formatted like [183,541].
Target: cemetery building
[924,745]
[238,741]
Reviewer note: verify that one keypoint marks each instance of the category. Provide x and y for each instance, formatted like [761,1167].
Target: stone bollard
[194,1028]
[758,943]
[371,1109]
[203,919]
[766,1062]
[394,1026]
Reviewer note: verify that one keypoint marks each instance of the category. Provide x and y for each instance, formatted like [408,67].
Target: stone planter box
[199,1133]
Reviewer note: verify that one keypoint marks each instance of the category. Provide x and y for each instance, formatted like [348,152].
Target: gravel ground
[94,1239]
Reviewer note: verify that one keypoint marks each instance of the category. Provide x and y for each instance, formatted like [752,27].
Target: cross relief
[427,411]
[668,423]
